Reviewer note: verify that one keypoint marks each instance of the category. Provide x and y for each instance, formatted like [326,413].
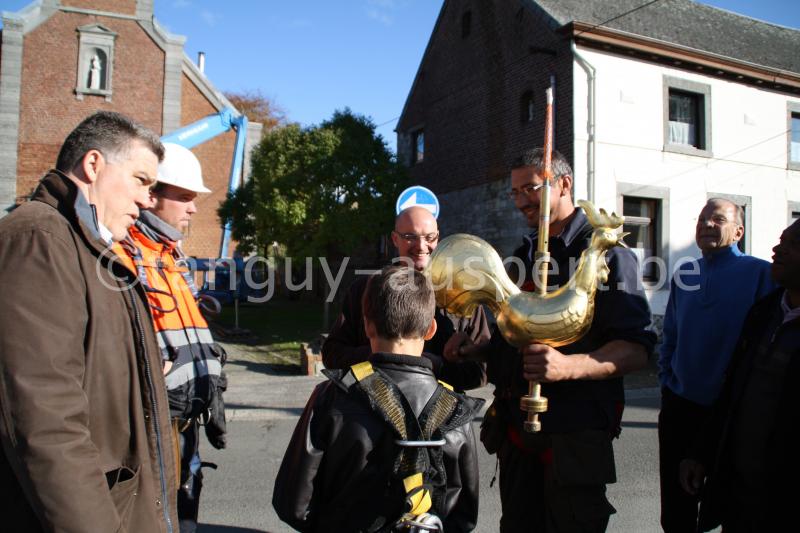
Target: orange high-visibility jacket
[183,334]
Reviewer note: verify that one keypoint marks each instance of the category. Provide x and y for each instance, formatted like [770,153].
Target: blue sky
[313,57]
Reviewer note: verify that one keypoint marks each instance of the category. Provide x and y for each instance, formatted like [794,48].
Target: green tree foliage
[320,191]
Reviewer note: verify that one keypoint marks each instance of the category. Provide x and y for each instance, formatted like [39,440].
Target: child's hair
[399,302]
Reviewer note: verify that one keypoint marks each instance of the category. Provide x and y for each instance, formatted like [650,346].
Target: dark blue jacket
[763,337]
[621,313]
[709,299]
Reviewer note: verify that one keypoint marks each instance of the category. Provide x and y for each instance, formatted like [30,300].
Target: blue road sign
[419,196]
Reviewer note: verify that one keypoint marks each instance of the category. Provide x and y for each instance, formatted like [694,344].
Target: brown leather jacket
[84,422]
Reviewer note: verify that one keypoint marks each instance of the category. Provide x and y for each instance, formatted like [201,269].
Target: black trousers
[533,500]
[191,478]
[679,423]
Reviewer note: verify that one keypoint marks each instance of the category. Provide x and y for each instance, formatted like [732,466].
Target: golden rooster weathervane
[466,272]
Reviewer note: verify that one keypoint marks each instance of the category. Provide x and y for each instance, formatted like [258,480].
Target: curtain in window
[680,133]
[682,113]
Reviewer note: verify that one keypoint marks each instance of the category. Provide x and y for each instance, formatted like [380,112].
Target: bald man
[415,236]
[709,299]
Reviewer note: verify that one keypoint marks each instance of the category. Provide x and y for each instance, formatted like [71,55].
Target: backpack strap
[388,401]
[418,495]
[440,408]
[420,460]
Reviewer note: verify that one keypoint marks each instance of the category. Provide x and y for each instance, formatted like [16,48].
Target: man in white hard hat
[192,361]
[180,179]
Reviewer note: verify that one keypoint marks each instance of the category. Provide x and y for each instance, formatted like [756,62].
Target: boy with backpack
[383,446]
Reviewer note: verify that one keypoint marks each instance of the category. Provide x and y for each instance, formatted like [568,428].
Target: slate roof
[690,24]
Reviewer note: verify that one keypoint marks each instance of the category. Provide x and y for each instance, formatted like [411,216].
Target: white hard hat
[181,168]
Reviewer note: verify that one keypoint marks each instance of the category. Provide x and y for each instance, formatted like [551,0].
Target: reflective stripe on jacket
[182,332]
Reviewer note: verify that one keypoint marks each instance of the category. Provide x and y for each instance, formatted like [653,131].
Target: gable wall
[125,7]
[49,109]
[467,97]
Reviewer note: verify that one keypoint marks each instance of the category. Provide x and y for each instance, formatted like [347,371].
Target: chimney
[201,61]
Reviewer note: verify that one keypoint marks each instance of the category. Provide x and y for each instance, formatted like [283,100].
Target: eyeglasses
[430,238]
[527,190]
[718,220]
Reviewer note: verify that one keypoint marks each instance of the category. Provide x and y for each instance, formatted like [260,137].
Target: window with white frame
[794,212]
[646,210]
[687,117]
[794,138]
[642,225]
[685,123]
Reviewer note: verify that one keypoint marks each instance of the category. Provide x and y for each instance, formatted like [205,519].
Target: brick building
[61,60]
[639,91]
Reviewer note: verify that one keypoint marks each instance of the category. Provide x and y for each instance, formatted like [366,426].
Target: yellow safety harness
[419,439]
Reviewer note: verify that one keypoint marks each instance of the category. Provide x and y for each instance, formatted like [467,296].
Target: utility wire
[617,17]
[477,77]
[387,122]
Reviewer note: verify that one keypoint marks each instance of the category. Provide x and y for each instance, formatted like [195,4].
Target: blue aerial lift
[190,136]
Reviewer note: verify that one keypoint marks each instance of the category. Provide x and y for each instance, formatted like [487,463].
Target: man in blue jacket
[709,299]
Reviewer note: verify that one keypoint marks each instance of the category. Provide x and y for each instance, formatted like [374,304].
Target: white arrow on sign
[412,200]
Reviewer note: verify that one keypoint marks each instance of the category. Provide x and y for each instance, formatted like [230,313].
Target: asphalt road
[237,497]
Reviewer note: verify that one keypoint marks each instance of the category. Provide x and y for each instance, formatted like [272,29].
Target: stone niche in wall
[95,61]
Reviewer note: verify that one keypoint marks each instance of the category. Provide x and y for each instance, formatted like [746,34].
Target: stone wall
[49,108]
[126,7]
[485,211]
[470,94]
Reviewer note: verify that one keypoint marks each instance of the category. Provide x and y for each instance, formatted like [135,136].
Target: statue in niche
[94,73]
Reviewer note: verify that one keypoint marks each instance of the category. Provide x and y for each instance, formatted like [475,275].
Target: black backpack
[413,475]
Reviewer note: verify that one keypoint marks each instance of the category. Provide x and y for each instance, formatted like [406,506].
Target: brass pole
[534,403]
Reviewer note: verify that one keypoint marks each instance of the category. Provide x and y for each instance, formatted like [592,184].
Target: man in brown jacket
[84,423]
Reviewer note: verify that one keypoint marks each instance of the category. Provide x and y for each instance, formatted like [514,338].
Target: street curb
[261,414]
[639,394]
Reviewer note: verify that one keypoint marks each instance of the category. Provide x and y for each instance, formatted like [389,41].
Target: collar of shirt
[105,233]
[156,229]
[725,254]
[789,313]
[88,215]
[152,232]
